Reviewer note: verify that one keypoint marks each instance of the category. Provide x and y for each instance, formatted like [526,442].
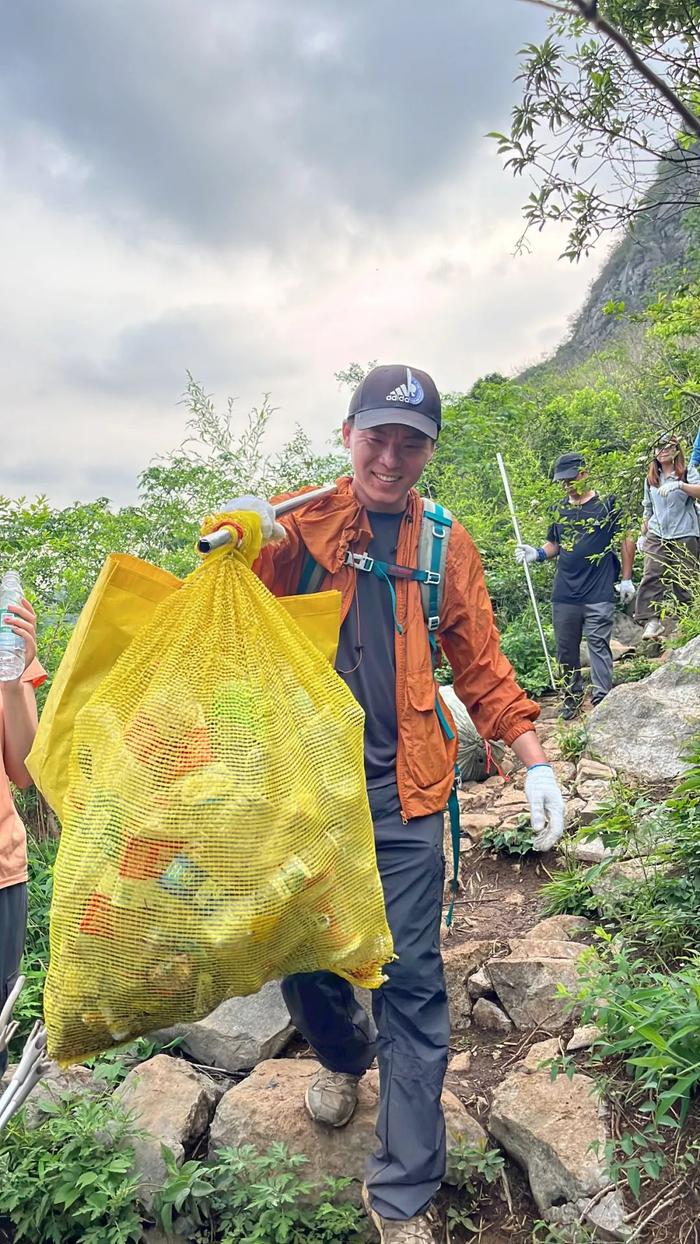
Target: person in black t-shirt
[582,537]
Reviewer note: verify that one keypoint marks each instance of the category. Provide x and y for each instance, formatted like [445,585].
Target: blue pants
[410,1013]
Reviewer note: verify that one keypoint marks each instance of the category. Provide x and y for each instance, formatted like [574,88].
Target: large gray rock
[269,1106]
[549,1127]
[240,1033]
[526,981]
[643,728]
[172,1105]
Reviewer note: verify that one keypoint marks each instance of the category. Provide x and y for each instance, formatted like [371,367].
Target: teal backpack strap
[311,577]
[433,543]
[453,809]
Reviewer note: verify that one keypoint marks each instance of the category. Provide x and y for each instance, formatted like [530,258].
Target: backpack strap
[311,577]
[433,542]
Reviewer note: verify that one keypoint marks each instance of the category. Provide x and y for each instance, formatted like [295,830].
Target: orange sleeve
[484,679]
[35,674]
[280,562]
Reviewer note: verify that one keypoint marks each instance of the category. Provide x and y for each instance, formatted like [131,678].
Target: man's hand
[626,591]
[271,529]
[546,806]
[670,486]
[525,553]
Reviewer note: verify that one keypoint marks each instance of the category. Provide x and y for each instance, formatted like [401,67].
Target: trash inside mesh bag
[125,596]
[216,829]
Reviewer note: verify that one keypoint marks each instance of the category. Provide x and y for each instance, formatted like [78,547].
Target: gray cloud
[251,123]
[257,192]
[146,359]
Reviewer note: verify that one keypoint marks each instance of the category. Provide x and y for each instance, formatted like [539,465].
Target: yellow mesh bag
[216,829]
[124,598]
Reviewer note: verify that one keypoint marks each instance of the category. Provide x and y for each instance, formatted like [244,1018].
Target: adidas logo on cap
[411,392]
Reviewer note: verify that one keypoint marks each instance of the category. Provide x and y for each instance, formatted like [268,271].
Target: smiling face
[667,453]
[387,461]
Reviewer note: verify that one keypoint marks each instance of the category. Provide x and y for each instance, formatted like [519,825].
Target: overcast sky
[260,192]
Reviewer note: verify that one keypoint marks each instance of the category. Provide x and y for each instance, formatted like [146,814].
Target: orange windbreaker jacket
[483,678]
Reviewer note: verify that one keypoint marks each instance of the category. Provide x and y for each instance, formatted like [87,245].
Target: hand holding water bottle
[17,629]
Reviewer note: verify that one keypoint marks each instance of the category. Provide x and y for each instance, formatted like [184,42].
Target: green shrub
[474,1169]
[632,671]
[569,893]
[571,740]
[522,645]
[69,1180]
[517,840]
[689,619]
[114,1065]
[648,1018]
[246,1197]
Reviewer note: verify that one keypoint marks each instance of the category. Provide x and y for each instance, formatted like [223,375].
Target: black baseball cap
[397,394]
[567,466]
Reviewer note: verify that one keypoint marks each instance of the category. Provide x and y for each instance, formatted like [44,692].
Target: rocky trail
[238,1076]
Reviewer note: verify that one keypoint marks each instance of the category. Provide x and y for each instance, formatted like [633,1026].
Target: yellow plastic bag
[216,828]
[123,600]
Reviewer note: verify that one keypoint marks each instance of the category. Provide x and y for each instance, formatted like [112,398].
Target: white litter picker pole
[526,568]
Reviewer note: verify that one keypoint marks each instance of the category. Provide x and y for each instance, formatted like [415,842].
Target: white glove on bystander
[546,806]
[271,529]
[670,486]
[626,590]
[641,544]
[525,553]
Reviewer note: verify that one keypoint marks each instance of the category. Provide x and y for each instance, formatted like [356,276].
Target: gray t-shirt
[674,516]
[366,656]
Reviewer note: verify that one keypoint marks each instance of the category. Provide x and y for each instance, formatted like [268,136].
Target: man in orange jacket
[385,658]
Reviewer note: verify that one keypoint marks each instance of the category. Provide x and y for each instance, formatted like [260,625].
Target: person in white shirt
[670,535]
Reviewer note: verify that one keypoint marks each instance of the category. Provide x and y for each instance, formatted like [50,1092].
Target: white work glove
[626,590]
[525,553]
[641,544]
[670,486]
[546,806]
[271,529]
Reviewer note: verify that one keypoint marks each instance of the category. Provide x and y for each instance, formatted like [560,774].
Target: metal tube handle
[219,538]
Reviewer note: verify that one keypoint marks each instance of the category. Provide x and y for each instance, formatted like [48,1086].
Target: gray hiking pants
[13,926]
[571,623]
[410,1012]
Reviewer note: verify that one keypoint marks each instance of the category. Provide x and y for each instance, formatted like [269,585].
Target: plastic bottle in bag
[12,655]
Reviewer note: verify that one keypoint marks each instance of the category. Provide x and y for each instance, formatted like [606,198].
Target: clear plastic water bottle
[12,655]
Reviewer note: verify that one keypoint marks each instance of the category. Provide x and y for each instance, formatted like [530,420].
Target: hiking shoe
[418,1230]
[653,629]
[331,1097]
[569,710]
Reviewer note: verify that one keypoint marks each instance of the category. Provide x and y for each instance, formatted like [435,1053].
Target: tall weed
[648,1018]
